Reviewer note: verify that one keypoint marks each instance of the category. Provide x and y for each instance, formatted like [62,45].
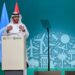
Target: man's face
[15,19]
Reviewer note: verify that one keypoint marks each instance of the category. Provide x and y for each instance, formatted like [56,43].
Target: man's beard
[15,21]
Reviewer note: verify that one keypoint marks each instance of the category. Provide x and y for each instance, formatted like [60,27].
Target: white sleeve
[7,26]
[26,31]
[5,29]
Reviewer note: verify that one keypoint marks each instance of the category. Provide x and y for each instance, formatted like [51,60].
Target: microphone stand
[46,25]
[48,50]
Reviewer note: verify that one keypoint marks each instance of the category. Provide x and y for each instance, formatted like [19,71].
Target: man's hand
[9,28]
[21,28]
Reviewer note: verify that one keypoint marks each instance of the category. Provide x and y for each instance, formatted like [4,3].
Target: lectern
[13,55]
[46,25]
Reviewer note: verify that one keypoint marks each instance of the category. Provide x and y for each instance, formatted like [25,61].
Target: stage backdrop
[61,16]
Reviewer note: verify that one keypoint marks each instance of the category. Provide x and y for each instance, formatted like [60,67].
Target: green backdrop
[60,13]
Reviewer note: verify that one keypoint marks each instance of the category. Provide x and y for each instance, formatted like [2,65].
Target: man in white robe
[16,27]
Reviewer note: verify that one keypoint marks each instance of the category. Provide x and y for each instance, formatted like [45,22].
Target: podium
[13,54]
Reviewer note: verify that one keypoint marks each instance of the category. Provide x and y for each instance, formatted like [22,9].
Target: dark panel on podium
[47,73]
[69,72]
[20,72]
